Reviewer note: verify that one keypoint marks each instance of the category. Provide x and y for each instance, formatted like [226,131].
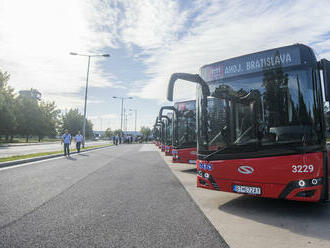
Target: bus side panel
[168,150]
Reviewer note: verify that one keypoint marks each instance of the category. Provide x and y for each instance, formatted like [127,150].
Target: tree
[49,120]
[29,116]
[73,121]
[146,131]
[108,133]
[8,121]
[117,132]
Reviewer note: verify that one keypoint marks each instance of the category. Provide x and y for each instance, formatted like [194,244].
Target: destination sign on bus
[185,106]
[257,62]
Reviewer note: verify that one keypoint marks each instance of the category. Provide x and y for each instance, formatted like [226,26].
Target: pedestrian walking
[78,138]
[66,139]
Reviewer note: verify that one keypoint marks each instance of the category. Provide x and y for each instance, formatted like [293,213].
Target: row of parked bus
[257,125]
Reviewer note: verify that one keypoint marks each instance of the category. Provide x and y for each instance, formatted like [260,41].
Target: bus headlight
[301,183]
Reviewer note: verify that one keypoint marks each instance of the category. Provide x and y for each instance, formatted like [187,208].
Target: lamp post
[121,114]
[135,112]
[85,105]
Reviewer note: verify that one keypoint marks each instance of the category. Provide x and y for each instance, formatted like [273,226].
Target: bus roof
[286,56]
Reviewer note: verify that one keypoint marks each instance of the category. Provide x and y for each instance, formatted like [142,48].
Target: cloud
[166,36]
[35,40]
[106,116]
[217,30]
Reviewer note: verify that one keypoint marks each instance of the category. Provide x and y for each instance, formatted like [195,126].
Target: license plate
[247,190]
[191,161]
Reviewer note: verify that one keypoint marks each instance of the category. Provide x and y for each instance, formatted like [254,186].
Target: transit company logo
[217,71]
[245,169]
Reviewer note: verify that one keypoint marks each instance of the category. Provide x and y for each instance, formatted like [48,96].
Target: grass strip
[33,155]
[31,140]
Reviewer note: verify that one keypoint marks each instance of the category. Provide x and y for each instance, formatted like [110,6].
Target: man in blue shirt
[66,139]
[78,139]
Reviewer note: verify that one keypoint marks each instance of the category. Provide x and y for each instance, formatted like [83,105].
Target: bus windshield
[273,112]
[186,125]
[169,133]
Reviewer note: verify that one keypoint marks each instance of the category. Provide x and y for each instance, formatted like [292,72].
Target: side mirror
[325,66]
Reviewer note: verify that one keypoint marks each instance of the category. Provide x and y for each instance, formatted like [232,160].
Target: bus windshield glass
[186,125]
[271,112]
[169,132]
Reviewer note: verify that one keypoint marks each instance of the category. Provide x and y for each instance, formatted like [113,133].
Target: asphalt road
[123,196]
[36,148]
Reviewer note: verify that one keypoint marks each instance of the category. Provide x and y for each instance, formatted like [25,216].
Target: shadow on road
[190,171]
[309,219]
[84,155]
[71,158]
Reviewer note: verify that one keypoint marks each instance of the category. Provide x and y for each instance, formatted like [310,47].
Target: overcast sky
[148,41]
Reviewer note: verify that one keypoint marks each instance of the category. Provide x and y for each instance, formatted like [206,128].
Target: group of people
[66,140]
[117,139]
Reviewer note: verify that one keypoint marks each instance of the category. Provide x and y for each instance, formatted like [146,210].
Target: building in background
[33,93]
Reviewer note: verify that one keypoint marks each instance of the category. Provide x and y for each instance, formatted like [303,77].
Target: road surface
[123,196]
[36,148]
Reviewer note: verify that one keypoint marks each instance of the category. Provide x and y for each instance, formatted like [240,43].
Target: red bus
[166,141]
[173,127]
[265,134]
[184,143]
[157,133]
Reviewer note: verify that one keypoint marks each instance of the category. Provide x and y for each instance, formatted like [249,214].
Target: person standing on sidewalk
[78,138]
[116,140]
[66,139]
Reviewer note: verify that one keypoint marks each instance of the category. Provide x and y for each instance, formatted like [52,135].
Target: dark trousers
[78,146]
[66,149]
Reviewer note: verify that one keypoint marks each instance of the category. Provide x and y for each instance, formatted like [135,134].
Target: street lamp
[121,114]
[89,59]
[135,112]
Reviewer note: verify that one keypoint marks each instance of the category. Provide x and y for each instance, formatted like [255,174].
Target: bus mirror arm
[325,66]
[168,108]
[188,77]
[166,117]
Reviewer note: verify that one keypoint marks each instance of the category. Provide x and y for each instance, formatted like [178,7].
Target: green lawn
[31,140]
[33,155]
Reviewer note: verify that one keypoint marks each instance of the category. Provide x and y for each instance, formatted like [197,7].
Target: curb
[28,160]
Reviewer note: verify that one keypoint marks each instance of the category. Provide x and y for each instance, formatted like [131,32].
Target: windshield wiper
[217,151]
